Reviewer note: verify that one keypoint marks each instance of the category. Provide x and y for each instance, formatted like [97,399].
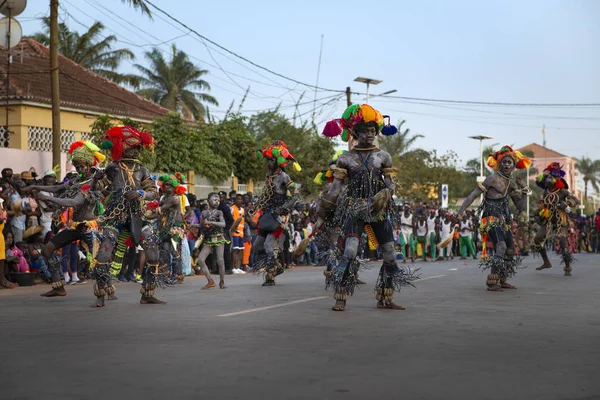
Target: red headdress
[119,138]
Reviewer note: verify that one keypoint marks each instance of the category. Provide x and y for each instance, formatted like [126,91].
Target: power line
[237,55]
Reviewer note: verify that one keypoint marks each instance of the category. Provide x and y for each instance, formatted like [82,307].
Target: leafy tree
[590,173]
[400,143]
[422,174]
[170,83]
[91,50]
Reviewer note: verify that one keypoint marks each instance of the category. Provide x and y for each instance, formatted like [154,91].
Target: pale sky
[538,51]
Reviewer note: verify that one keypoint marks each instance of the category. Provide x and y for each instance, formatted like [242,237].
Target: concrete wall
[22,160]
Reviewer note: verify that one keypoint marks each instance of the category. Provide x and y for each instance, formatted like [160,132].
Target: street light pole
[369,82]
[481,177]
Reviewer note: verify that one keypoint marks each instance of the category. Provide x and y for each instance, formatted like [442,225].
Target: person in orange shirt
[237,235]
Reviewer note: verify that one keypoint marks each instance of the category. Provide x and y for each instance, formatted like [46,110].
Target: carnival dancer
[276,199]
[407,239]
[554,208]
[81,201]
[361,198]
[130,186]
[212,237]
[495,215]
[171,227]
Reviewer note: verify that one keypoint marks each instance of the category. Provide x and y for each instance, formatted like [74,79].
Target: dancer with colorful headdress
[171,227]
[81,203]
[360,200]
[131,187]
[276,200]
[495,216]
[553,212]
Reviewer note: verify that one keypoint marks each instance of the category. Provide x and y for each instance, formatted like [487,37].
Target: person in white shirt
[422,235]
[432,231]
[47,209]
[445,231]
[407,240]
[465,235]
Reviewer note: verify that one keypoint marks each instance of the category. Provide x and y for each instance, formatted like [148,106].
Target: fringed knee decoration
[392,278]
[343,276]
[110,289]
[102,277]
[567,259]
[153,278]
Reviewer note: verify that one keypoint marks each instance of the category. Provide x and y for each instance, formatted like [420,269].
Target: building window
[4,136]
[40,139]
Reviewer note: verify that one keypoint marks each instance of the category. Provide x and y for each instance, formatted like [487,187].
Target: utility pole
[54,87]
[348,97]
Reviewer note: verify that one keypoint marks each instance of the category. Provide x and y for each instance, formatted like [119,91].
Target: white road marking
[289,303]
[453,269]
[429,277]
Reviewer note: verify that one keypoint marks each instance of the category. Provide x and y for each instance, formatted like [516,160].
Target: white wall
[22,160]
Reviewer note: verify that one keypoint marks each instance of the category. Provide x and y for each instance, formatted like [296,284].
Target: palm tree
[139,4]
[168,83]
[91,50]
[590,173]
[399,144]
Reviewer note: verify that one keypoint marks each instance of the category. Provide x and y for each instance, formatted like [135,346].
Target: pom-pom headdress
[555,171]
[278,150]
[327,176]
[354,115]
[521,162]
[86,151]
[173,180]
[119,138]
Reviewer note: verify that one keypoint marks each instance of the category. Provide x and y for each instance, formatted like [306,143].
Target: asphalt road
[454,341]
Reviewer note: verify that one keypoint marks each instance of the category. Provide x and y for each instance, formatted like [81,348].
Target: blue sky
[498,51]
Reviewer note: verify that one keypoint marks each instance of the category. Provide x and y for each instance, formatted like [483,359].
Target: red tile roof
[80,88]
[541,151]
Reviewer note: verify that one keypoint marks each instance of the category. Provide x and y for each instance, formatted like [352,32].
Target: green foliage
[422,174]
[590,173]
[170,83]
[92,50]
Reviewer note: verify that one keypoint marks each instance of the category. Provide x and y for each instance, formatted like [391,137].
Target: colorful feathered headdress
[173,180]
[119,138]
[355,114]
[327,176]
[86,151]
[278,150]
[555,171]
[521,162]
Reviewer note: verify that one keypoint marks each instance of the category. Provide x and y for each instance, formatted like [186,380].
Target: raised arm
[49,189]
[474,194]
[78,200]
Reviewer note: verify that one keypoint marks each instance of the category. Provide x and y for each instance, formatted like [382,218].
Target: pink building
[542,156]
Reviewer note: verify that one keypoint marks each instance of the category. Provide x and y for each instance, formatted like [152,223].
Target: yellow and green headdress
[86,151]
[278,150]
[327,176]
[354,115]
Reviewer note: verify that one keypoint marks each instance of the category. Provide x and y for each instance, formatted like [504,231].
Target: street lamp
[481,177]
[369,82]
